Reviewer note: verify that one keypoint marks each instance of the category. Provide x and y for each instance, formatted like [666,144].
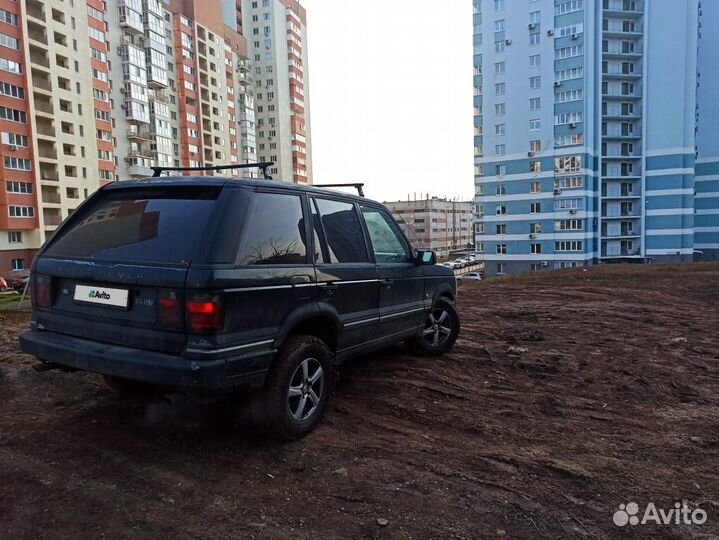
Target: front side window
[341,232]
[275,231]
[387,241]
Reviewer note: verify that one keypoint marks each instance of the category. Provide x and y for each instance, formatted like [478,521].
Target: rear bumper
[147,366]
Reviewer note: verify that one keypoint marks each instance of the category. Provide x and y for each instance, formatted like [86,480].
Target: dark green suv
[211,285]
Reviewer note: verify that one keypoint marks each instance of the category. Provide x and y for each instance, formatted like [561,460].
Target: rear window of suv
[152,225]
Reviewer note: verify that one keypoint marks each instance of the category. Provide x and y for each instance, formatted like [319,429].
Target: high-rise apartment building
[706,181]
[585,146]
[276,32]
[95,91]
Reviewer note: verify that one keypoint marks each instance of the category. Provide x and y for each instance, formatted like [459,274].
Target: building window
[499,68]
[501,269]
[568,204]
[480,247]
[501,210]
[535,82]
[19,187]
[535,145]
[535,249]
[534,61]
[535,17]
[18,264]
[501,228]
[535,124]
[500,109]
[499,25]
[534,38]
[569,225]
[499,5]
[499,46]
[499,129]
[535,103]
[569,245]
[14,237]
[21,211]
[535,228]
[499,89]
[501,249]
[535,208]
[500,170]
[500,190]
[500,149]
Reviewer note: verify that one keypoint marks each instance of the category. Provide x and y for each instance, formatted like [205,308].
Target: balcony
[51,217]
[36,34]
[41,81]
[48,173]
[156,77]
[619,214]
[608,253]
[43,105]
[38,57]
[130,20]
[35,9]
[139,134]
[46,151]
[44,127]
[50,195]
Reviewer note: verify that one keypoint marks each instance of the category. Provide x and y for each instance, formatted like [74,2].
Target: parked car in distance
[449,264]
[461,262]
[17,279]
[470,276]
[265,290]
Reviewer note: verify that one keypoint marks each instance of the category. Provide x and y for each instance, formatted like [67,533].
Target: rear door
[347,279]
[402,299]
[117,267]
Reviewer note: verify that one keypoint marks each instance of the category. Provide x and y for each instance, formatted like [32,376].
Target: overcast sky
[391,95]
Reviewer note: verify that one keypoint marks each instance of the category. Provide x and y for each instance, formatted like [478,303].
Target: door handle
[387,283]
[329,288]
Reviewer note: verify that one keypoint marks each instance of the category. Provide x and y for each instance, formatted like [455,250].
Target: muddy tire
[298,387]
[440,331]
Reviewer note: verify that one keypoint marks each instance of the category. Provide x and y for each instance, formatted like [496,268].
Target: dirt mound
[568,394]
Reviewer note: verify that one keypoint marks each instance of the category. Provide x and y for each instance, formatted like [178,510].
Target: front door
[402,307]
[346,277]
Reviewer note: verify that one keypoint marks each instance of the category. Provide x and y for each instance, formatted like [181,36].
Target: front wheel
[298,388]
[440,331]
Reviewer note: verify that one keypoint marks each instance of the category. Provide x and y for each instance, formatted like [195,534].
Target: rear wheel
[299,385]
[440,331]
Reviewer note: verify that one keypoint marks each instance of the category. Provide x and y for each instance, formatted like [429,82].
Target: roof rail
[357,186]
[263,165]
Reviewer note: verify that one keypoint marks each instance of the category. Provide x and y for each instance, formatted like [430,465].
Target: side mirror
[426,257]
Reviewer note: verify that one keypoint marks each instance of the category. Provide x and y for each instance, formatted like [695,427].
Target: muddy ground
[568,394]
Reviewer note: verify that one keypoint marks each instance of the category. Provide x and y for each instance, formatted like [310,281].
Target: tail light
[41,294]
[203,312]
[170,313]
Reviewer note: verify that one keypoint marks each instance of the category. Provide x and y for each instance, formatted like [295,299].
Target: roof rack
[263,165]
[357,186]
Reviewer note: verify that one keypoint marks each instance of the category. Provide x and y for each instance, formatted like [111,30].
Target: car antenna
[262,165]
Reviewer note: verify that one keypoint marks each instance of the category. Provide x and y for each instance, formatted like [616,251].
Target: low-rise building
[437,224]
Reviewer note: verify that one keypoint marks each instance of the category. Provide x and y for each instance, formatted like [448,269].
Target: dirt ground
[568,393]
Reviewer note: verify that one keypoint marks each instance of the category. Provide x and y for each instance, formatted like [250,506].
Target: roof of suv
[221,181]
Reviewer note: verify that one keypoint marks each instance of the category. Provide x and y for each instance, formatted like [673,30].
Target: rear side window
[153,225]
[275,231]
[387,242]
[342,231]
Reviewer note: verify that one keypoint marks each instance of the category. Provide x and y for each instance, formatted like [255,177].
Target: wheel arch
[322,322]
